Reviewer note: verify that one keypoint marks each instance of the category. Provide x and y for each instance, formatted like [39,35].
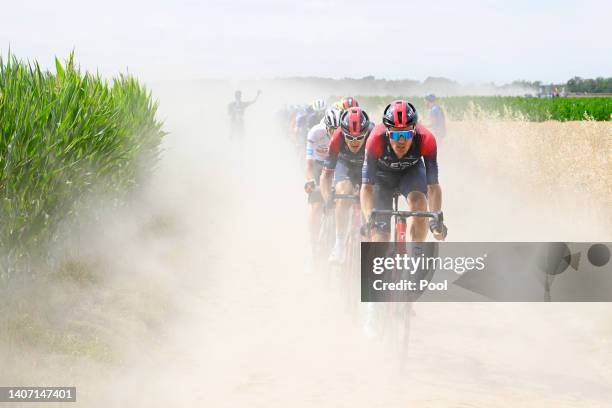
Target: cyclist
[345,161]
[401,155]
[346,102]
[306,120]
[236,110]
[436,121]
[317,146]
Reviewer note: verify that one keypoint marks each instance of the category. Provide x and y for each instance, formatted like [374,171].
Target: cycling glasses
[398,134]
[352,138]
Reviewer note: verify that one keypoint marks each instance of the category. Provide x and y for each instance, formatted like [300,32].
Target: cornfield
[64,136]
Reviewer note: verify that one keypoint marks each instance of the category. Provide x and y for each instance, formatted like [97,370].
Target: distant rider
[346,102]
[317,147]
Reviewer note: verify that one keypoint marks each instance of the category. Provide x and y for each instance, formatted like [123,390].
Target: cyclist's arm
[326,181]
[330,164]
[366,198]
[368,173]
[429,153]
[368,179]
[310,146]
[309,170]
[434,194]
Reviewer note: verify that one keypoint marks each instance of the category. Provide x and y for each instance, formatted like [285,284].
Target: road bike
[395,315]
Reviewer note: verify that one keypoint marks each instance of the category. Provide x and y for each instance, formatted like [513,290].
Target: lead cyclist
[402,155]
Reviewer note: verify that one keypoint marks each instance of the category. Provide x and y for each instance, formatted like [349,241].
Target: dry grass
[549,157]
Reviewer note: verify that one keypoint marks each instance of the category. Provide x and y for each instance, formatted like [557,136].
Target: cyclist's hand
[310,186]
[366,229]
[438,229]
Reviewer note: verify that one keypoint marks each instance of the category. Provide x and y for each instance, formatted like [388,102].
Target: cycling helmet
[347,102]
[332,118]
[430,97]
[318,105]
[354,122]
[400,114]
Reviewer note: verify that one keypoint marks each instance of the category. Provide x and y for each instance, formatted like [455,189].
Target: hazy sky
[470,40]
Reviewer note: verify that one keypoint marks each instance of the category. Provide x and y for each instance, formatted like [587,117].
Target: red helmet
[348,102]
[354,122]
[400,114]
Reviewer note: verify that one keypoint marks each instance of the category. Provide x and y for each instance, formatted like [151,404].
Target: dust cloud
[205,300]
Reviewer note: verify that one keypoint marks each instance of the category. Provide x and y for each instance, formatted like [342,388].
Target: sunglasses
[398,134]
[352,138]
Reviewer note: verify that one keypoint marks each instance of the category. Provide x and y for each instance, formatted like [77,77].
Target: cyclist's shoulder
[336,141]
[428,140]
[376,139]
[316,131]
[377,133]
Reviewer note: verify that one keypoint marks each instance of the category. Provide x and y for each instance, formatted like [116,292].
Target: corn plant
[63,136]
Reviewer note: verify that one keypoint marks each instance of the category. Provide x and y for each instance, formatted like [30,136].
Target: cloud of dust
[200,296]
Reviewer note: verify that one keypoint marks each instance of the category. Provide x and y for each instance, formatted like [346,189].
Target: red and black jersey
[380,157]
[339,151]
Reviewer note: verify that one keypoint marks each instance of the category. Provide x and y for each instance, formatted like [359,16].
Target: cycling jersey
[345,164]
[317,143]
[380,157]
[339,151]
[413,172]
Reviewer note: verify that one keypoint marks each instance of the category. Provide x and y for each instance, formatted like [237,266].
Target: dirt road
[250,327]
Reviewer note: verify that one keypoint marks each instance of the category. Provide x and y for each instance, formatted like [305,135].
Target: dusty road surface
[245,324]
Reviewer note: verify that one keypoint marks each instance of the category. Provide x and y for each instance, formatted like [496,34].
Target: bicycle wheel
[325,242]
[351,273]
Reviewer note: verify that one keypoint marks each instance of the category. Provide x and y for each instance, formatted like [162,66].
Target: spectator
[436,120]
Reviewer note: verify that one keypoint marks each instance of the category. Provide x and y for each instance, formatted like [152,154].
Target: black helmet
[354,121]
[400,114]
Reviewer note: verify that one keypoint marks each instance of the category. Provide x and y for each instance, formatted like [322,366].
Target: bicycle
[350,267]
[325,239]
[396,316]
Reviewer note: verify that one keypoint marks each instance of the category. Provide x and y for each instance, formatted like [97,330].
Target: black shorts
[345,172]
[412,179]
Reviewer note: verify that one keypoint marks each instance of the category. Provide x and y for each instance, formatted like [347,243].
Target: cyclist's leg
[383,200]
[344,181]
[344,185]
[316,205]
[413,186]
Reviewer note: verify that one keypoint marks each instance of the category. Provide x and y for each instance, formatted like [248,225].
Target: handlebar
[354,197]
[436,215]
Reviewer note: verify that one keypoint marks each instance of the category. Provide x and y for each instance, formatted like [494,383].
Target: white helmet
[332,118]
[319,105]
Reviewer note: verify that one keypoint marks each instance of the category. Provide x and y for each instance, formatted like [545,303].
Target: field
[529,109]
[64,137]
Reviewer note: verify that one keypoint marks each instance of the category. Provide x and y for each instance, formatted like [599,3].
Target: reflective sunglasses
[352,138]
[398,134]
